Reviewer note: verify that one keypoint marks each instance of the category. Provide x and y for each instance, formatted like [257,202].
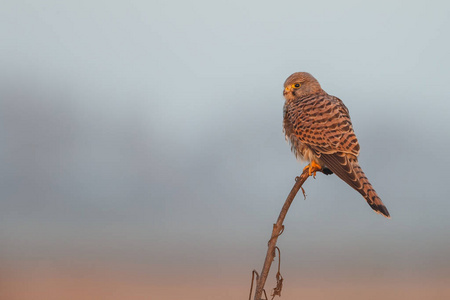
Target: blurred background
[142,153]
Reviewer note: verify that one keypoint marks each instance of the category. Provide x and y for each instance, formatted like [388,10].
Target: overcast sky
[151,131]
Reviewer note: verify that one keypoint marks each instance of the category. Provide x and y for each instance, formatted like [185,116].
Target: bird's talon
[313,168]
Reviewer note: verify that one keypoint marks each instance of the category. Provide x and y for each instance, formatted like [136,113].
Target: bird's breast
[295,119]
[302,152]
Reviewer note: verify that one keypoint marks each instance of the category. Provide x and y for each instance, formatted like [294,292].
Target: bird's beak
[287,90]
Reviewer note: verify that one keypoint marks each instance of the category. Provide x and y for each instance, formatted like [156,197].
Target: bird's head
[300,84]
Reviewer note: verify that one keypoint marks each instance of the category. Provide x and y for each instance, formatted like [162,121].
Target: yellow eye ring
[296,85]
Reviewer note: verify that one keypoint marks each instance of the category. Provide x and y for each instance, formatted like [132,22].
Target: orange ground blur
[47,283]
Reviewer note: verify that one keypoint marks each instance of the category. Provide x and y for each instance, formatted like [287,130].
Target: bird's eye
[297,85]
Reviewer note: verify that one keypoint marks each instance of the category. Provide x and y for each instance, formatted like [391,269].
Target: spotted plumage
[320,131]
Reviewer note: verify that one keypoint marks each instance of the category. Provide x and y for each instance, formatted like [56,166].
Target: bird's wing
[323,123]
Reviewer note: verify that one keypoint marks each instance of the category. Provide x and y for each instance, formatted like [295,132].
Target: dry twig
[279,287]
[278,228]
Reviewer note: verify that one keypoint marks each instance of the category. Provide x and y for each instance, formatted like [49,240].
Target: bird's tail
[364,187]
[348,169]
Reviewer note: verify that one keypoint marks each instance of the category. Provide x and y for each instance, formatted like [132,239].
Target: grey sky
[153,129]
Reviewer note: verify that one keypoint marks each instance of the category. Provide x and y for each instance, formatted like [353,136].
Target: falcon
[319,130]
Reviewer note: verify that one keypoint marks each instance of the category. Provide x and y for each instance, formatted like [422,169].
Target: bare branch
[278,228]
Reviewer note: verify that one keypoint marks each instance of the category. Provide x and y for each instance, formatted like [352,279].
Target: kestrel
[320,131]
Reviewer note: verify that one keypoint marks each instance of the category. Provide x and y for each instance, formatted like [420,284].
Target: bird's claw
[313,167]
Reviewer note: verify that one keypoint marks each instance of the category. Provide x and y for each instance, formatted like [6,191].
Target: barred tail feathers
[348,169]
[368,192]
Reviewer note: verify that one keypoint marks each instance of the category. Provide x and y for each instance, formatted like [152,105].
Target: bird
[318,127]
